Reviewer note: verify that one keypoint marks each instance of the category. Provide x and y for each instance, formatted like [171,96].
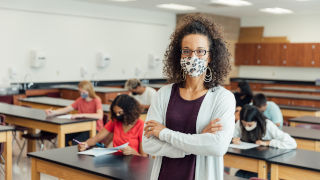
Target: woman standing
[182,128]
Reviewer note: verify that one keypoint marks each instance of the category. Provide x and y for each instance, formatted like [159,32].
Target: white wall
[297,28]
[72,33]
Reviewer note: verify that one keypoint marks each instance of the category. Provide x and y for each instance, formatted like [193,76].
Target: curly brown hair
[219,55]
[130,106]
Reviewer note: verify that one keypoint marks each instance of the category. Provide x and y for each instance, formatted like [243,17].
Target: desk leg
[61,139]
[292,124]
[8,156]
[32,145]
[262,171]
[274,172]
[93,130]
[317,146]
[35,175]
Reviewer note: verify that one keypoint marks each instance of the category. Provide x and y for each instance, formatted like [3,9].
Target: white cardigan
[276,136]
[209,148]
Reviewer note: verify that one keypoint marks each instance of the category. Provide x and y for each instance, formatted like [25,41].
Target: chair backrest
[2,119]
[105,119]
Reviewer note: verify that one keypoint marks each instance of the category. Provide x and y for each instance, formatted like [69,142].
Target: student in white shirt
[183,119]
[253,127]
[143,94]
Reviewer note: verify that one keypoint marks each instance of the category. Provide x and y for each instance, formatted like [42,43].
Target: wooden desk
[253,160]
[292,89]
[6,138]
[65,163]
[304,120]
[50,102]
[296,165]
[36,119]
[308,139]
[106,94]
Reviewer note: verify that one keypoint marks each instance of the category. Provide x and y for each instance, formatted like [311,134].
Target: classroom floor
[22,171]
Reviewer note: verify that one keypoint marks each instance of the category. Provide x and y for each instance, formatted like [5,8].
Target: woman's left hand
[75,116]
[263,143]
[153,128]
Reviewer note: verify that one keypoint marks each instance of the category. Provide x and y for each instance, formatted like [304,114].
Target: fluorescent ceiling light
[179,7]
[123,0]
[276,10]
[232,2]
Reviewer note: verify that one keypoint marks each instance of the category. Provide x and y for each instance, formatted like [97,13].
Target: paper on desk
[102,151]
[243,145]
[66,116]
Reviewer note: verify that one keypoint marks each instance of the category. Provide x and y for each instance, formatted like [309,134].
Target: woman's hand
[129,151]
[263,143]
[75,116]
[153,128]
[236,140]
[83,146]
[49,112]
[212,127]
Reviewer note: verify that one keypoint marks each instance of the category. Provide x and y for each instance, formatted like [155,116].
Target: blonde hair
[87,86]
[132,84]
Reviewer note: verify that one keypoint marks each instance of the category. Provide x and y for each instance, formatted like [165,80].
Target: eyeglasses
[198,52]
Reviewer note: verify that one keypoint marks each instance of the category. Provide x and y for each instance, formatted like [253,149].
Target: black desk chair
[41,137]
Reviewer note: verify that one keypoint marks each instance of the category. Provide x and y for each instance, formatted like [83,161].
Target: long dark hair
[249,114]
[130,106]
[245,88]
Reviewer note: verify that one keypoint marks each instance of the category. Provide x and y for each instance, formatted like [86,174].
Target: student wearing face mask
[143,94]
[254,127]
[125,126]
[88,105]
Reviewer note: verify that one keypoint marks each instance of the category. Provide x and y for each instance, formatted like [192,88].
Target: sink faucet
[27,85]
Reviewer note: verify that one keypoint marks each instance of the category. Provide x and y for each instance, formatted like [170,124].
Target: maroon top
[182,117]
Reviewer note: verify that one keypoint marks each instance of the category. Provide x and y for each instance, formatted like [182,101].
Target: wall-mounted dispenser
[103,60]
[38,59]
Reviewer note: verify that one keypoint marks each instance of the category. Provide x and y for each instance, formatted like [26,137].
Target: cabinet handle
[284,62]
[284,46]
[258,61]
[259,46]
[313,46]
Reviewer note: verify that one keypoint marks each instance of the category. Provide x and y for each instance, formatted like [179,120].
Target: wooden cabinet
[245,54]
[268,54]
[278,54]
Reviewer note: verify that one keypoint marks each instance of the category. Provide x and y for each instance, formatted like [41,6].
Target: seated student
[253,127]
[143,94]
[125,126]
[270,109]
[243,95]
[88,106]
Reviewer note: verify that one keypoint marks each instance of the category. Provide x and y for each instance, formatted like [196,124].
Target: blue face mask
[84,95]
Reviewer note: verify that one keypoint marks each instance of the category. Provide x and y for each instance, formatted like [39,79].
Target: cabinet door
[315,55]
[300,54]
[245,54]
[268,54]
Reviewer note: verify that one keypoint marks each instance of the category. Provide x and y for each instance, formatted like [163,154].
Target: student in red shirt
[125,126]
[88,105]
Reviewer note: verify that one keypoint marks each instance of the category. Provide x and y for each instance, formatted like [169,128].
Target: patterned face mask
[193,66]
